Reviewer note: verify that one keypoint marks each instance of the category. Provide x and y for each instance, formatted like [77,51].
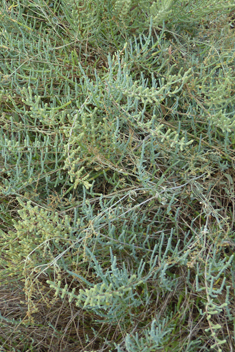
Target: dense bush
[117,175]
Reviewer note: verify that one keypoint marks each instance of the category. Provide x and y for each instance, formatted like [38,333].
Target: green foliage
[154,338]
[116,175]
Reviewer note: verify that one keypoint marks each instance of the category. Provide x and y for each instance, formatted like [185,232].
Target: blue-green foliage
[152,338]
[117,126]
